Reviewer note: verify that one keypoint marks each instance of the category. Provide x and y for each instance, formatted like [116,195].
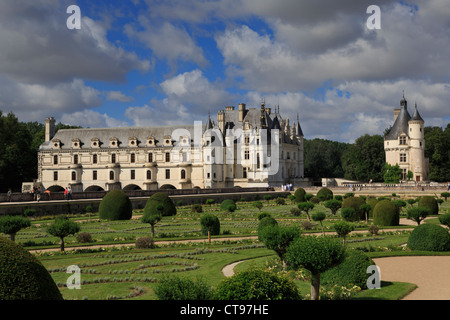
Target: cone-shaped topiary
[429,237]
[355,203]
[386,213]
[324,194]
[115,205]
[22,276]
[299,195]
[429,202]
[160,198]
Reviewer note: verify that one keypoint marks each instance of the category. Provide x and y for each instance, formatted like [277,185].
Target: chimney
[241,112]
[49,128]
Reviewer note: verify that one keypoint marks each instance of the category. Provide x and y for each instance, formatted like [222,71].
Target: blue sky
[155,62]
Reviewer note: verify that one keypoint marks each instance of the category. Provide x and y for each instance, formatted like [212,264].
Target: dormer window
[132,142]
[167,141]
[151,141]
[113,142]
[95,143]
[56,144]
[76,143]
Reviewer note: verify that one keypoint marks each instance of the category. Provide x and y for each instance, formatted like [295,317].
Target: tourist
[8,195]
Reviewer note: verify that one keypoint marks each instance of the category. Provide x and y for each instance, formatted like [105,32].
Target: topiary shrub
[353,270]
[429,237]
[177,288]
[429,202]
[257,284]
[355,203]
[197,208]
[324,194]
[228,205]
[160,198]
[22,276]
[264,222]
[386,213]
[210,225]
[115,205]
[300,195]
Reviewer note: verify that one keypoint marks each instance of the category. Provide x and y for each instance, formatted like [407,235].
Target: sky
[169,62]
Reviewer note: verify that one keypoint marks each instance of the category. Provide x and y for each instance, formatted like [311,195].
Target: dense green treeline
[19,144]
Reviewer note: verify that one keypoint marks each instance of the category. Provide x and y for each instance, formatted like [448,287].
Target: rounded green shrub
[264,222]
[386,213]
[160,198]
[22,276]
[115,205]
[353,270]
[429,202]
[324,194]
[445,219]
[355,203]
[429,237]
[178,288]
[228,205]
[300,195]
[257,284]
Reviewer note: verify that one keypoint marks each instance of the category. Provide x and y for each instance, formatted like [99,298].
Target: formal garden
[307,246]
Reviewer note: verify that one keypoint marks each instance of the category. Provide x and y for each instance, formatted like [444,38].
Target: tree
[437,144]
[153,218]
[10,225]
[258,204]
[391,174]
[333,205]
[445,195]
[343,228]
[210,222]
[316,254]
[306,207]
[63,227]
[319,216]
[278,238]
[364,159]
[417,214]
[322,158]
[348,214]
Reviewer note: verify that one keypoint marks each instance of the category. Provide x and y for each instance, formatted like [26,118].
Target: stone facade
[244,147]
[405,143]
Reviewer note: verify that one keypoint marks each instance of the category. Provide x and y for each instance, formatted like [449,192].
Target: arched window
[183,174]
[111,175]
[149,174]
[74,176]
[75,159]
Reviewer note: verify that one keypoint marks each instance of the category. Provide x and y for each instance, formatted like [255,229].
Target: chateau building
[247,147]
[405,143]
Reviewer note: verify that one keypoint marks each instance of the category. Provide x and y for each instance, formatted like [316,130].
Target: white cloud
[92,119]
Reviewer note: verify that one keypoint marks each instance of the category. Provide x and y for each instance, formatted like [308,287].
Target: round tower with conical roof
[417,161]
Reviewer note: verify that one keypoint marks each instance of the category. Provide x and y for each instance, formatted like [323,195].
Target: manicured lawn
[130,273]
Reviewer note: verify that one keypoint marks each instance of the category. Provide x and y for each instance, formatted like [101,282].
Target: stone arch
[94,188]
[55,188]
[132,187]
[167,186]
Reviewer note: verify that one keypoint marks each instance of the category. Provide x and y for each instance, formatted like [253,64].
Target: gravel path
[431,274]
